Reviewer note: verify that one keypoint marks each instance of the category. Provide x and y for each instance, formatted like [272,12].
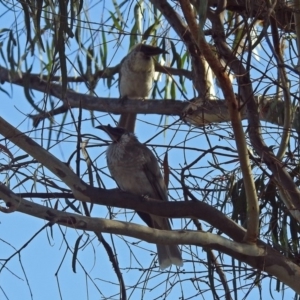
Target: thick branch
[127,229]
[183,31]
[258,9]
[198,112]
[283,179]
[58,168]
[273,262]
[109,72]
[236,121]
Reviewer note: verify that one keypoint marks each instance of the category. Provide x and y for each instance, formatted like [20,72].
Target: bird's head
[148,50]
[117,134]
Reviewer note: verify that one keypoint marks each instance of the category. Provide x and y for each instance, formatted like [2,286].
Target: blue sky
[44,257]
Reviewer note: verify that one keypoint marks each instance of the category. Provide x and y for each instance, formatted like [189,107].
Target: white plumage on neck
[136,75]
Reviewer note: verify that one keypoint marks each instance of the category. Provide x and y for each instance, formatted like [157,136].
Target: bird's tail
[127,121]
[168,255]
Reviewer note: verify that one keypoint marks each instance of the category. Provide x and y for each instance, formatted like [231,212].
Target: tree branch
[236,121]
[198,112]
[273,262]
[147,234]
[283,179]
[57,167]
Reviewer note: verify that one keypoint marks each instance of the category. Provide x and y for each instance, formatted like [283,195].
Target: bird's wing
[154,176]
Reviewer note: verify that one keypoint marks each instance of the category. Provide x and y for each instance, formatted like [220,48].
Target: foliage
[242,170]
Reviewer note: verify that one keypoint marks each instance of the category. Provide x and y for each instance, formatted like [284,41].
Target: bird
[135,169]
[136,75]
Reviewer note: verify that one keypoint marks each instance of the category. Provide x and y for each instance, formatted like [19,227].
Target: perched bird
[136,76]
[136,170]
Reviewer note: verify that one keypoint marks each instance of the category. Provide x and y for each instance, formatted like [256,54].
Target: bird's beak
[151,50]
[114,133]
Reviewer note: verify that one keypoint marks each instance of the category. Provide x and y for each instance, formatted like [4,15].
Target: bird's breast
[128,172]
[136,77]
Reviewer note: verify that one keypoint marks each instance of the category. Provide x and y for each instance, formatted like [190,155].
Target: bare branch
[288,272]
[236,121]
[283,179]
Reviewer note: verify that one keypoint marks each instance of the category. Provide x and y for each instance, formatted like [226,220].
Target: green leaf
[151,30]
[38,14]
[20,157]
[76,248]
[103,51]
[27,21]
[173,90]
[115,21]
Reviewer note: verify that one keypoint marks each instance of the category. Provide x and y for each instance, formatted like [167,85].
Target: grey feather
[136,76]
[136,170]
